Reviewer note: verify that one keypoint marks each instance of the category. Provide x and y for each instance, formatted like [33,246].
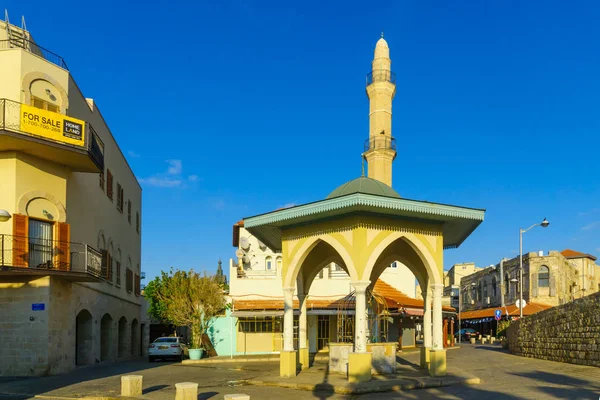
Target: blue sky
[228,109]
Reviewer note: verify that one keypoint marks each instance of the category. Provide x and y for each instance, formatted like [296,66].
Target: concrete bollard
[472,340]
[492,340]
[236,397]
[131,385]
[186,391]
[483,340]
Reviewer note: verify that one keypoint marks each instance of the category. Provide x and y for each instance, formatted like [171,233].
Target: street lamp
[4,215]
[459,303]
[543,224]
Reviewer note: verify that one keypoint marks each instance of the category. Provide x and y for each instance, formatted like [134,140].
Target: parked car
[466,333]
[167,347]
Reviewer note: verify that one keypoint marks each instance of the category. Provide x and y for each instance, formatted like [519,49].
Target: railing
[33,48]
[249,273]
[50,255]
[10,119]
[380,142]
[381,75]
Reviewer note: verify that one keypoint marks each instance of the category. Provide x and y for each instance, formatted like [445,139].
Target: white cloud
[288,205]
[133,154]
[175,167]
[171,178]
[590,226]
[165,182]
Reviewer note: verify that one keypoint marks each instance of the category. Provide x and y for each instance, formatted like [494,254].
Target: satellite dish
[244,243]
[246,259]
[262,245]
[239,253]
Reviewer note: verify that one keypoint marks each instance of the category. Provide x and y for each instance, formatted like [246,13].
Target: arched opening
[544,277]
[122,346]
[84,349]
[135,336]
[106,337]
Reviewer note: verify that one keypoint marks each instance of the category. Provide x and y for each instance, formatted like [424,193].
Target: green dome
[364,185]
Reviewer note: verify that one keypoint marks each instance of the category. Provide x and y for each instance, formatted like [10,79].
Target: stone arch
[306,249]
[31,77]
[122,340]
[382,265]
[106,337]
[101,240]
[135,336]
[28,197]
[421,251]
[84,346]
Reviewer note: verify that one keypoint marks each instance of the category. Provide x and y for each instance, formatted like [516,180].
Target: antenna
[362,161]
[244,243]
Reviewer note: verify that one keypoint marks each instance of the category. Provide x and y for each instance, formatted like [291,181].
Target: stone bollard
[483,340]
[236,397]
[472,340]
[186,391]
[131,385]
[492,340]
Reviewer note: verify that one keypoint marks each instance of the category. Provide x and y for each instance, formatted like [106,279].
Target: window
[479,292]
[129,211]
[136,282]
[101,182]
[109,184]
[260,324]
[43,104]
[129,280]
[269,264]
[494,287]
[394,265]
[544,276]
[118,267]
[40,244]
[485,291]
[137,222]
[279,263]
[119,197]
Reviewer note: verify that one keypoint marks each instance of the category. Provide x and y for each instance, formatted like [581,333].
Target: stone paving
[503,376]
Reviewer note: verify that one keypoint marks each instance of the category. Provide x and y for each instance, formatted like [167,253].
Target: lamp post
[459,306]
[4,215]
[543,224]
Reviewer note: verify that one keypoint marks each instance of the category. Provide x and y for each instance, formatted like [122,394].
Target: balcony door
[40,244]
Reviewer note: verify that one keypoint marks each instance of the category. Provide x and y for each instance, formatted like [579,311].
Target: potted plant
[193,300]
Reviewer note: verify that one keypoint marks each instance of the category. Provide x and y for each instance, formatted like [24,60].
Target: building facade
[70,221]
[452,280]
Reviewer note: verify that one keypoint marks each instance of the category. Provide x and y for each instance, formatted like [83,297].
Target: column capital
[360,286]
[437,289]
[289,290]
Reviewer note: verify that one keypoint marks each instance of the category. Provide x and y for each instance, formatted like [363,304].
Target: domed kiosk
[363,226]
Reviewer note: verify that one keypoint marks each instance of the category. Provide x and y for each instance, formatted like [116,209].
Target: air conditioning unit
[472,301]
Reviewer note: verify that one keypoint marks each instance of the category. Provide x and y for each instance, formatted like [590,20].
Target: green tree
[189,299]
[156,308]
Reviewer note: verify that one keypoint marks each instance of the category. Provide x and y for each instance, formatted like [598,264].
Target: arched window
[269,263]
[506,284]
[494,284]
[485,291]
[544,276]
[279,263]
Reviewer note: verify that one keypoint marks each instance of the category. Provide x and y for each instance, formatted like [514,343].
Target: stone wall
[567,333]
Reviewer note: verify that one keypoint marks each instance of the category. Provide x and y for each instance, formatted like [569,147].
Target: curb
[229,360]
[416,384]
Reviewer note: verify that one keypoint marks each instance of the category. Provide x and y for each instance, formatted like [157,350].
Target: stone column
[359,362]
[426,328]
[287,358]
[437,358]
[303,333]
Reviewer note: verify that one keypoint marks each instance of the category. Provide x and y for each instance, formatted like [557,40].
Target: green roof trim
[459,222]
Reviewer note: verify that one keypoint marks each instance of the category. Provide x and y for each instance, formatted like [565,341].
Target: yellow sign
[54,126]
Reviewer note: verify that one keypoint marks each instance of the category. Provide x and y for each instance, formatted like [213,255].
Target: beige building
[70,218]
[551,279]
[452,279]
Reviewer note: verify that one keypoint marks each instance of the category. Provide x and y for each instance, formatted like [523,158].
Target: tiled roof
[568,253]
[530,308]
[394,298]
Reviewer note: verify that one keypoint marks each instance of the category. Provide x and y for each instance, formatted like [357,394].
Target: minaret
[380,148]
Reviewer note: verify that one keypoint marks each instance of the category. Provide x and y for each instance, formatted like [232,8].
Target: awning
[273,313]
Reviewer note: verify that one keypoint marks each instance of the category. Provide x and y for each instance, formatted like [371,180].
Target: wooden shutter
[104,267]
[62,257]
[20,245]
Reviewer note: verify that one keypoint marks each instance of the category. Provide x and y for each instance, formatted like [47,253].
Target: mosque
[363,231]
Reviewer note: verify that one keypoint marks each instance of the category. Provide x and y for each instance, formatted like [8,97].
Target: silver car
[167,347]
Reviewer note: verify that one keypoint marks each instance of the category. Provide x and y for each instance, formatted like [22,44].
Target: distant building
[453,277]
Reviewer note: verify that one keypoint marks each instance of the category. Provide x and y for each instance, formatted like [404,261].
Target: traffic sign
[498,315]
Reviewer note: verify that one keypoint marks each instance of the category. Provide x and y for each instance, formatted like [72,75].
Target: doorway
[322,331]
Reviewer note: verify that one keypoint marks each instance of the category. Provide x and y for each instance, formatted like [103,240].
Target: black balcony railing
[33,48]
[50,255]
[380,142]
[382,75]
[10,119]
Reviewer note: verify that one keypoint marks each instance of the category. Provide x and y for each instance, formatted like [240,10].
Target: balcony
[380,142]
[28,256]
[51,136]
[28,45]
[381,75]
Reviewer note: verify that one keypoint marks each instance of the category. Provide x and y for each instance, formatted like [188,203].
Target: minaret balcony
[380,143]
[382,75]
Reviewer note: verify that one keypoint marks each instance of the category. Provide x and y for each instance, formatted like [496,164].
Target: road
[503,376]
